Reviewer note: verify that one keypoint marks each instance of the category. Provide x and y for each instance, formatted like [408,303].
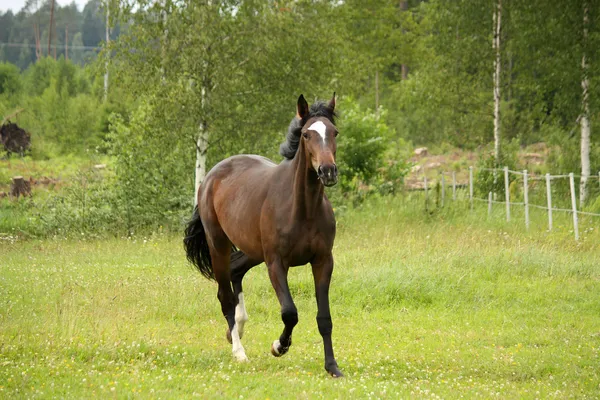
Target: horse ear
[302,107]
[331,104]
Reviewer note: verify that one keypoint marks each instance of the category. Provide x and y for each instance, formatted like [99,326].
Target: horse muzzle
[328,174]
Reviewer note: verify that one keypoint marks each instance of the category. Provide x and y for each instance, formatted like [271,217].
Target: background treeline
[192,82]
[75,34]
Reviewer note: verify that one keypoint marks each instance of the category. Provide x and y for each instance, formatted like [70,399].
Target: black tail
[196,246]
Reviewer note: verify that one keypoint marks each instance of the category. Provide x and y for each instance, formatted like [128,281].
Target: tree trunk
[404,7]
[67,42]
[50,28]
[107,52]
[201,148]
[38,46]
[497,71]
[163,56]
[585,121]
[20,187]
[377,91]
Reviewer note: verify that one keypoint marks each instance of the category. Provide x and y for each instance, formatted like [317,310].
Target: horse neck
[307,188]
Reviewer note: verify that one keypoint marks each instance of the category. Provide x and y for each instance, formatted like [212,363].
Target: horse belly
[238,202]
[245,235]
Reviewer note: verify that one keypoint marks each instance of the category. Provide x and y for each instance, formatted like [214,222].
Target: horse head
[319,136]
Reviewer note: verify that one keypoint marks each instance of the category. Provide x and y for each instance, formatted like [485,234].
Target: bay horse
[276,213]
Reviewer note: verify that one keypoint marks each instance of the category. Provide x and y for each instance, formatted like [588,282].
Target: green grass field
[447,306]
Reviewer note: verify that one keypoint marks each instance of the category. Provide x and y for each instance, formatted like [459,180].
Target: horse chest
[304,242]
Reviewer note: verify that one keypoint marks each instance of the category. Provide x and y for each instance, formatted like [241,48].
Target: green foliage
[365,138]
[564,158]
[371,159]
[433,61]
[486,180]
[10,80]
[153,177]
[72,29]
[59,112]
[38,76]
[86,206]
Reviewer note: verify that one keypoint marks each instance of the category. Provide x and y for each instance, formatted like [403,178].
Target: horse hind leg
[239,265]
[220,255]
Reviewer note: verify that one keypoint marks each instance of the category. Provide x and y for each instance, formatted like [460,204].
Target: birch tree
[228,73]
[497,19]
[585,113]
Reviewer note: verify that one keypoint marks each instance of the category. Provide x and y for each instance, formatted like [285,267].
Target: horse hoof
[278,350]
[275,348]
[240,357]
[334,371]
[228,334]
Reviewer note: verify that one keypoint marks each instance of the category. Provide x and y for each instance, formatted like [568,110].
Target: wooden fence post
[490,204]
[574,205]
[549,198]
[526,198]
[471,186]
[426,194]
[507,194]
[454,185]
[443,189]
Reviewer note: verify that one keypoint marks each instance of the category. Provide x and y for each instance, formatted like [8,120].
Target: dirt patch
[458,161]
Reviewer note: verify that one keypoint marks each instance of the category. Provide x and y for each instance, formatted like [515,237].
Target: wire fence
[521,189]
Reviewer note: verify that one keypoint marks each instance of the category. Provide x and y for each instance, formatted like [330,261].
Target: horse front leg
[289,314]
[322,269]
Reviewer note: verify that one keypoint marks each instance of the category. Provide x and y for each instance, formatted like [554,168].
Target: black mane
[289,148]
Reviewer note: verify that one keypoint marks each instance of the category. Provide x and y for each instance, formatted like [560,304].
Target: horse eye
[306,135]
[336,133]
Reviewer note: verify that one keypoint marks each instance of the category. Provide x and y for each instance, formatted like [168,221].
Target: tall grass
[424,305]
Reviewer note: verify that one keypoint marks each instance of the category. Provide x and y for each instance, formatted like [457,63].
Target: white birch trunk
[201,148]
[107,53]
[497,69]
[585,122]
[164,43]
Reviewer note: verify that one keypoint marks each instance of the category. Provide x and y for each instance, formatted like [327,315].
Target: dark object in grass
[20,187]
[14,139]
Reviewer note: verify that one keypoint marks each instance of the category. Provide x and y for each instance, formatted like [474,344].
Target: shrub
[370,156]
[485,179]
[152,168]
[10,79]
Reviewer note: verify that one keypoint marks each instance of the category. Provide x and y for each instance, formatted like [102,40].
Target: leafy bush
[154,180]
[86,206]
[10,80]
[486,180]
[371,159]
[565,157]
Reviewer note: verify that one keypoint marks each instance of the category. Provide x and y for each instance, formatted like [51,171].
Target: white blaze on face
[320,128]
